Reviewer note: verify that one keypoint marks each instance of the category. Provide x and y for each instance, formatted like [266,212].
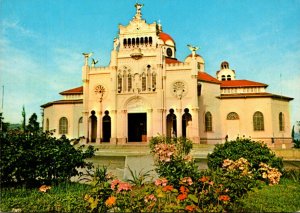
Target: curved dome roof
[165,37]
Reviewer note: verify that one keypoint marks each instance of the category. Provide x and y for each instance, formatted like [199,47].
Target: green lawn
[284,197]
[63,198]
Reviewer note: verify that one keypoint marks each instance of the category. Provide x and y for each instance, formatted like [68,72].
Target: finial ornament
[86,57]
[193,49]
[138,7]
[94,62]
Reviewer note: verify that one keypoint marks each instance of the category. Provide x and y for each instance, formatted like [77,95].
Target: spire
[138,14]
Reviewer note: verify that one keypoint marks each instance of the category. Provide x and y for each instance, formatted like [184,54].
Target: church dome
[166,38]
[197,56]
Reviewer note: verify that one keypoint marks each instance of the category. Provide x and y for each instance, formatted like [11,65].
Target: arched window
[258,121]
[153,81]
[281,121]
[171,124]
[186,117]
[146,40]
[129,42]
[137,41]
[63,125]
[93,126]
[142,41]
[124,80]
[133,41]
[228,77]
[106,127]
[129,82]
[232,116]
[119,83]
[150,40]
[143,82]
[47,125]
[208,122]
[223,77]
[124,42]
[149,77]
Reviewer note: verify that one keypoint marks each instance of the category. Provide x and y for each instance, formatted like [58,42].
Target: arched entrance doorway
[106,127]
[171,124]
[136,119]
[186,117]
[137,127]
[93,125]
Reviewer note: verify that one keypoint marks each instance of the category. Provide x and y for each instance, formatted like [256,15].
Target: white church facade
[145,91]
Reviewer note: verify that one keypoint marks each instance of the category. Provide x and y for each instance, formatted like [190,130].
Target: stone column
[99,126]
[85,126]
[195,136]
[179,122]
[149,124]
[113,138]
[122,132]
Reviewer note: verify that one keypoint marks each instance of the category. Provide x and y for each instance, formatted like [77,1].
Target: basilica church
[145,91]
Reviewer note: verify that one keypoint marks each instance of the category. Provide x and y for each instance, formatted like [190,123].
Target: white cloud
[31,79]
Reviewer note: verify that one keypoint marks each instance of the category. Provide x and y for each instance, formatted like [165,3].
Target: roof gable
[203,76]
[77,90]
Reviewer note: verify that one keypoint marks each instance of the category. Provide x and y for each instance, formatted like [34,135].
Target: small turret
[225,73]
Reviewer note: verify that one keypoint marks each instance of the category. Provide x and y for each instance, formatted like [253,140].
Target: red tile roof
[255,95]
[203,76]
[77,101]
[77,90]
[172,61]
[242,83]
[165,37]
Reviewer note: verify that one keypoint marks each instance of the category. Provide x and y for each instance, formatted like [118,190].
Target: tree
[33,125]
[293,133]
[3,125]
[24,119]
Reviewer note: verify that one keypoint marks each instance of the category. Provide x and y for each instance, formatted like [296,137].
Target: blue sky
[41,42]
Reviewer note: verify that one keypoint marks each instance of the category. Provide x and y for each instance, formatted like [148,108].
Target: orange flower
[183,189]
[168,188]
[204,179]
[224,198]
[110,201]
[190,208]
[44,188]
[182,196]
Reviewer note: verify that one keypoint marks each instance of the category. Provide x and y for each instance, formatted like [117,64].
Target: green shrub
[33,159]
[255,152]
[296,143]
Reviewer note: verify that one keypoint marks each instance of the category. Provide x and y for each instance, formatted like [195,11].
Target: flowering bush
[161,196]
[271,175]
[180,186]
[255,152]
[172,159]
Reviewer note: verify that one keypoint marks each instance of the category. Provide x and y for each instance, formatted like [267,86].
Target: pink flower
[114,183]
[150,197]
[123,186]
[161,182]
[187,180]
